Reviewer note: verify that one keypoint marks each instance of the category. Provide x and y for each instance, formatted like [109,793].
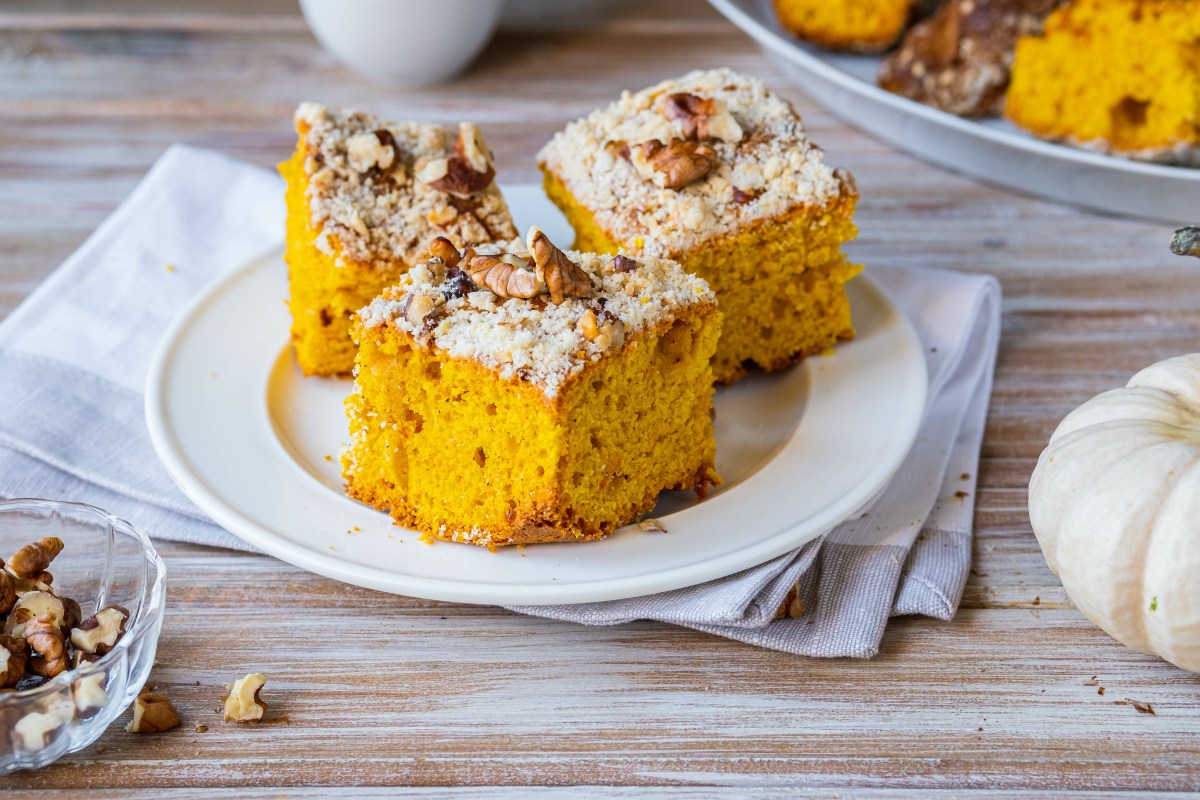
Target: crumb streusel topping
[762,163]
[534,339]
[369,186]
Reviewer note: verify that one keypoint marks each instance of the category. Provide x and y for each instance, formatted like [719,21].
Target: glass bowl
[105,561]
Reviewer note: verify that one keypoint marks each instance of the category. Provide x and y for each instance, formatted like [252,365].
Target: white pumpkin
[1115,505]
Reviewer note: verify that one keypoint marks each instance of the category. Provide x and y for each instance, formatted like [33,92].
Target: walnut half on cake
[364,199]
[716,172]
[516,393]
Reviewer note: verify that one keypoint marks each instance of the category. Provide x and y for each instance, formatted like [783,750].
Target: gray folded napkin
[74,357]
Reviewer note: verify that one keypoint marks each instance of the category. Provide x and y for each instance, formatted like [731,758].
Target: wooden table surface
[385,691]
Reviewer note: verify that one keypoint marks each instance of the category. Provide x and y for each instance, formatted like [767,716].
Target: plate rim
[198,489]
[789,48]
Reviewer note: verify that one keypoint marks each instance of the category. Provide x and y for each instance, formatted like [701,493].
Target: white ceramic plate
[992,150]
[255,445]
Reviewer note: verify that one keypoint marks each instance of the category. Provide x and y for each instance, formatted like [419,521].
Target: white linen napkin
[74,357]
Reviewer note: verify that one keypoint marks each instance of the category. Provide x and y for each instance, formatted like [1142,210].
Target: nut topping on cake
[472,148]
[433,171]
[468,171]
[457,283]
[444,249]
[674,165]
[506,275]
[417,307]
[682,162]
[589,326]
[368,151]
[563,277]
[702,117]
[605,301]
[624,264]
[773,160]
[377,191]
[607,334]
[742,198]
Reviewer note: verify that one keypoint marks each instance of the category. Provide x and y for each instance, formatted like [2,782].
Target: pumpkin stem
[1186,242]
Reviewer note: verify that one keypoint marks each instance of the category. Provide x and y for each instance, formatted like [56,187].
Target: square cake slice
[868,26]
[514,393]
[364,199]
[714,171]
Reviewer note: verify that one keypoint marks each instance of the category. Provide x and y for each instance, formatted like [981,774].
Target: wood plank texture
[383,691]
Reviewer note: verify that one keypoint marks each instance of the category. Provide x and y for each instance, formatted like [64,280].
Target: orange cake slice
[714,171]
[862,25]
[514,393]
[364,198]
[1119,76]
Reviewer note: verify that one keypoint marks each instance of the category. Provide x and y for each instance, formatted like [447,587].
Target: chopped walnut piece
[675,165]
[461,179]
[589,326]
[42,582]
[89,694]
[368,151]
[702,117]
[79,658]
[417,307]
[152,713]
[34,557]
[468,171]
[456,283]
[36,729]
[444,249]
[624,264]
[690,111]
[651,524]
[30,606]
[45,637]
[12,661]
[743,198]
[99,632]
[506,275]
[71,615]
[442,215]
[564,278]
[243,703]
[611,334]
[8,592]
[471,147]
[433,170]
[617,149]
[398,172]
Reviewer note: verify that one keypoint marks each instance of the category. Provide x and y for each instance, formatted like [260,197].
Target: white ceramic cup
[403,42]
